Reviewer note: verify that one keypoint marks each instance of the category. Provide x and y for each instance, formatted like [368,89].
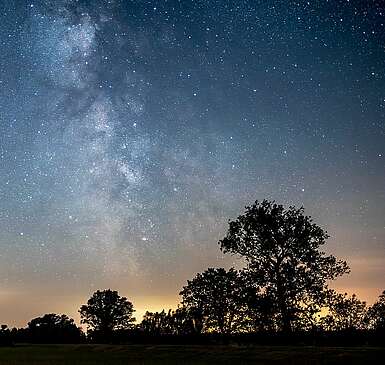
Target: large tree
[282,250]
[106,311]
[215,294]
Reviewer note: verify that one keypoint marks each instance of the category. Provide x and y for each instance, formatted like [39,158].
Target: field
[141,354]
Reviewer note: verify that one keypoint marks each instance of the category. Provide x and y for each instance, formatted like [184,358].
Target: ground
[143,354]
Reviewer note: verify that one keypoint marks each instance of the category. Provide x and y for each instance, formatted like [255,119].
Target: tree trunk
[282,306]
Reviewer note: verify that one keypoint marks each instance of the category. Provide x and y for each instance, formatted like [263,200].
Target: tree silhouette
[376,314]
[215,293]
[53,328]
[345,312]
[106,312]
[183,321]
[258,310]
[158,323]
[281,248]
[5,335]
[187,321]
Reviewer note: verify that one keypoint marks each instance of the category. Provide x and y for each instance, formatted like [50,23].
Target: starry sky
[131,131]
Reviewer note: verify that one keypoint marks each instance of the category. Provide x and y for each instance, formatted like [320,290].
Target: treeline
[348,321]
[280,295]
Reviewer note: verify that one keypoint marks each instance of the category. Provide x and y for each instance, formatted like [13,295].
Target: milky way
[131,131]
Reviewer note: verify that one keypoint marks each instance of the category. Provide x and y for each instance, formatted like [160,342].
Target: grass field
[141,354]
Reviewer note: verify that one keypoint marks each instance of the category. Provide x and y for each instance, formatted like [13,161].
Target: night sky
[131,131]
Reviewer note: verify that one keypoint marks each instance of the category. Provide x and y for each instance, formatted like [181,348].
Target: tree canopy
[282,251]
[376,314]
[344,312]
[106,311]
[216,294]
[53,328]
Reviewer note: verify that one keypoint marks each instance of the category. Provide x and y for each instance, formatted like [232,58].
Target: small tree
[53,328]
[214,293]
[106,312]
[345,312]
[157,323]
[376,314]
[5,335]
[187,321]
[281,248]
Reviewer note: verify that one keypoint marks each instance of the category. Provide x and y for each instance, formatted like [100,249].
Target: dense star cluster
[131,131]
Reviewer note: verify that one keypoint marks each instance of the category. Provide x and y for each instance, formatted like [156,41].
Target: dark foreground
[162,354]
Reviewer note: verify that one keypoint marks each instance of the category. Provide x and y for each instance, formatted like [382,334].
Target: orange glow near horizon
[16,311]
